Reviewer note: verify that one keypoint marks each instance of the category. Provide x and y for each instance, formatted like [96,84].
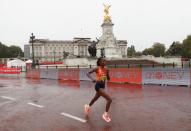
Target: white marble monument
[107,45]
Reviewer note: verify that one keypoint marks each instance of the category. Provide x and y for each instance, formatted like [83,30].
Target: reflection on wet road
[49,105]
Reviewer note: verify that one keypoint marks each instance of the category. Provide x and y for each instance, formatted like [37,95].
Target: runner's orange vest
[101,74]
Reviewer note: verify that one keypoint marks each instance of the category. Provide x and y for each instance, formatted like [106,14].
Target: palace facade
[53,50]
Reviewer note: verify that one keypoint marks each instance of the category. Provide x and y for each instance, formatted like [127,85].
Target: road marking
[74,117]
[32,104]
[9,98]
[2,104]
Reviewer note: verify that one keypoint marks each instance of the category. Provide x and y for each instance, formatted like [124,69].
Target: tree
[15,51]
[12,51]
[148,51]
[158,49]
[3,51]
[175,49]
[186,47]
[138,53]
[131,51]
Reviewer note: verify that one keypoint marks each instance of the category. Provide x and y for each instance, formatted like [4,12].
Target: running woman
[102,74]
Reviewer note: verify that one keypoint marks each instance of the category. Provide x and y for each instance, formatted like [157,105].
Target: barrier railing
[162,76]
[150,65]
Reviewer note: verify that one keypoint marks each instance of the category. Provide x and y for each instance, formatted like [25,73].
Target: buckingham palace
[53,50]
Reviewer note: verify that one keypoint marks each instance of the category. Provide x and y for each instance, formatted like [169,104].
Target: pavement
[51,105]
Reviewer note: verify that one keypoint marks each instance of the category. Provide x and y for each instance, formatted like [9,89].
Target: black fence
[154,65]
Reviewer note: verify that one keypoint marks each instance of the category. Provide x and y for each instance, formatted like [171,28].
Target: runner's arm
[108,77]
[89,74]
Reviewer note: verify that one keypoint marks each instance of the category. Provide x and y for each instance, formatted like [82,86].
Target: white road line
[32,104]
[74,117]
[9,98]
[2,104]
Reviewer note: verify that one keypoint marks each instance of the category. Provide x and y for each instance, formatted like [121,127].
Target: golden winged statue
[107,18]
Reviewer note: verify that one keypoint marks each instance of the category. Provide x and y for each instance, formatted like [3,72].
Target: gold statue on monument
[107,18]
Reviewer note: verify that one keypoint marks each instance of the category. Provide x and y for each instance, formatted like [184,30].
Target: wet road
[49,105]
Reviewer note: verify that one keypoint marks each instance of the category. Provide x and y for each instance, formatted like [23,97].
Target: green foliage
[3,51]
[175,49]
[156,50]
[14,51]
[131,51]
[10,52]
[148,51]
[138,53]
[186,47]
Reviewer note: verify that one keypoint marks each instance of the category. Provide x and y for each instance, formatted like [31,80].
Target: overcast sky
[140,22]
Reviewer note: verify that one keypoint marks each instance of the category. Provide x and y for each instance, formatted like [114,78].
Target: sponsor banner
[33,73]
[49,73]
[69,74]
[117,75]
[7,70]
[129,75]
[83,74]
[166,76]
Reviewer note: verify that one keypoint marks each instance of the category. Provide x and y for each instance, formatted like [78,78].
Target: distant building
[50,50]
[27,51]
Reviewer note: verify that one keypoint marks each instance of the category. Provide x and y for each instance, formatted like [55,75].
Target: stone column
[108,42]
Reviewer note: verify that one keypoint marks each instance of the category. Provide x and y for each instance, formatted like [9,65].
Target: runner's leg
[97,95]
[102,93]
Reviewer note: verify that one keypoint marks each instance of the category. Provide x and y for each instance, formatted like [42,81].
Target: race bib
[103,78]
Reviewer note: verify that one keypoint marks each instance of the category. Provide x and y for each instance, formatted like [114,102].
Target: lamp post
[32,37]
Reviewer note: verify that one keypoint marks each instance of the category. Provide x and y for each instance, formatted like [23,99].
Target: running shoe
[86,109]
[106,117]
